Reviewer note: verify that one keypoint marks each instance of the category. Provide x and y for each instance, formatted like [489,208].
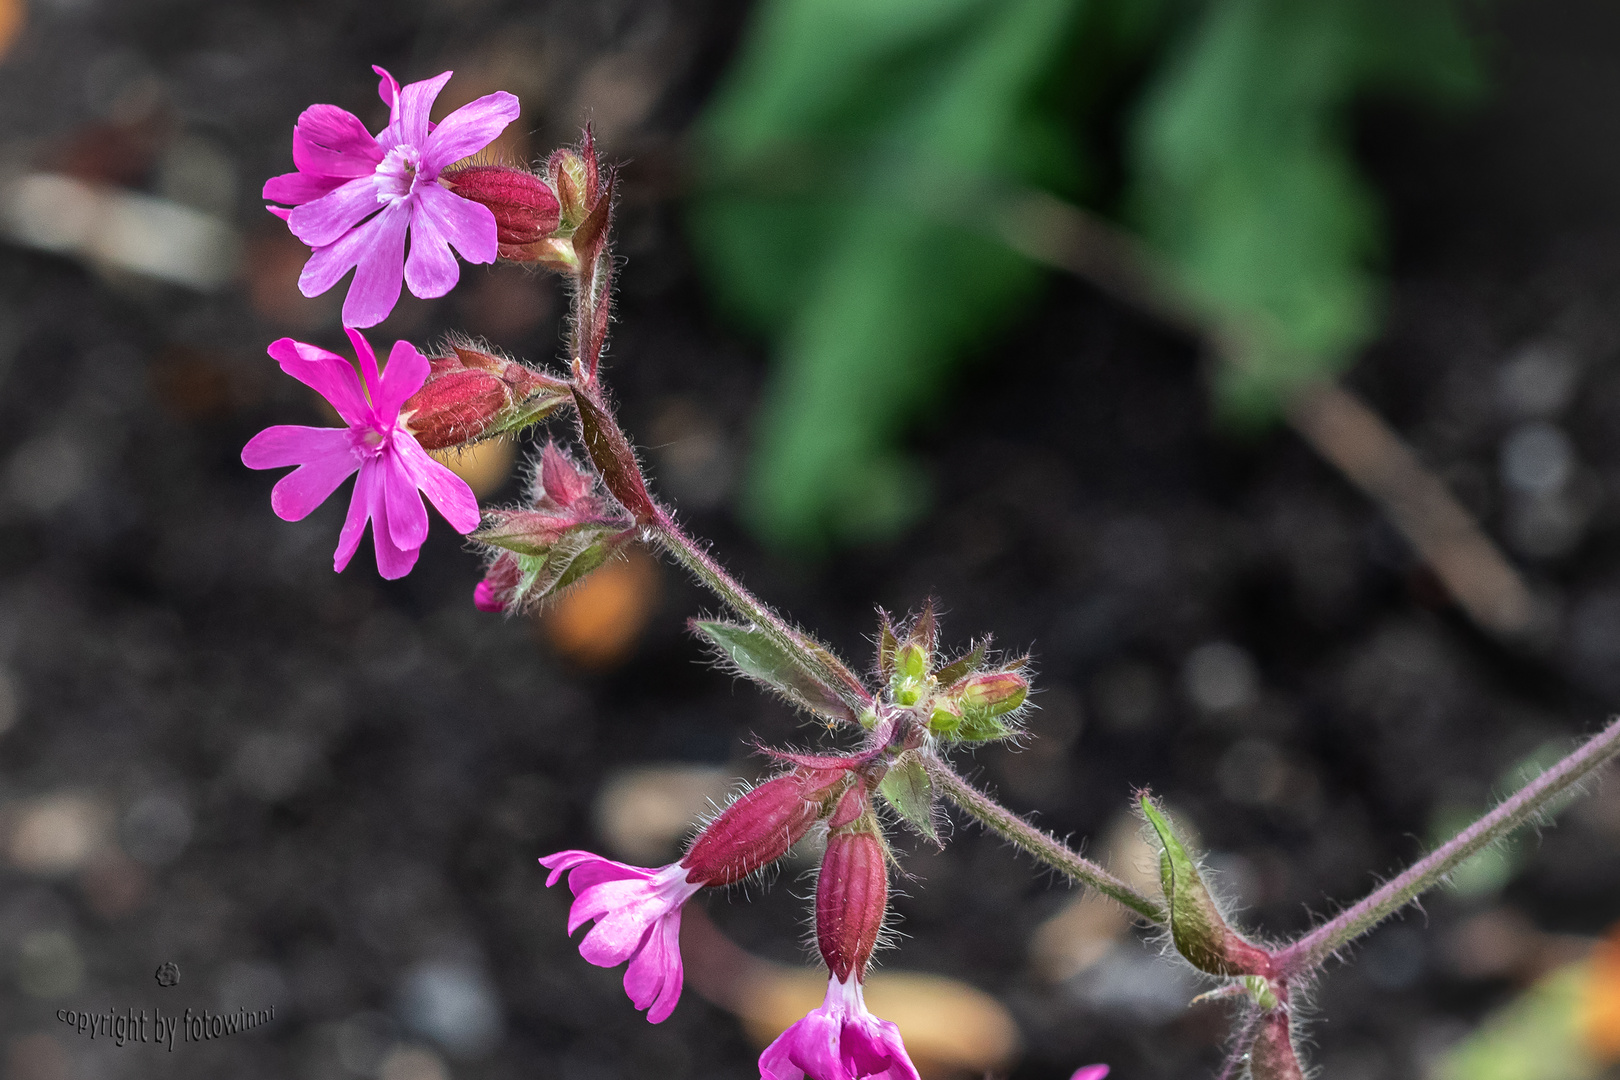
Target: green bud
[908,692]
[994,694]
[944,720]
[911,661]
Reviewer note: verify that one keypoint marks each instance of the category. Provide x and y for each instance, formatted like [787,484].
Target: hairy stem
[1313,950]
[1042,845]
[815,657]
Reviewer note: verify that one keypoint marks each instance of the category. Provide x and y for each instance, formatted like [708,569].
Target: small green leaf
[962,666]
[757,655]
[908,788]
[1200,933]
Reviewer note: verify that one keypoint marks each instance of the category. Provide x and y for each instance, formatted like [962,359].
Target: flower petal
[407,517]
[468,225]
[393,561]
[290,444]
[653,979]
[776,1063]
[578,861]
[332,215]
[468,130]
[415,101]
[430,270]
[388,90]
[381,268]
[298,493]
[329,141]
[328,374]
[448,492]
[407,370]
[354,525]
[296,188]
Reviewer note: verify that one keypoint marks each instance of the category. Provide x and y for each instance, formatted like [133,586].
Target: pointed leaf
[908,788]
[887,644]
[962,666]
[757,655]
[1196,926]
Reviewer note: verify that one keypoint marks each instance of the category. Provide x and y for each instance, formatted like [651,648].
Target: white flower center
[397,173]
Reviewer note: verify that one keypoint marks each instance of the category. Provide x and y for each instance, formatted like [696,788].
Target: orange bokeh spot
[1600,1005]
[597,624]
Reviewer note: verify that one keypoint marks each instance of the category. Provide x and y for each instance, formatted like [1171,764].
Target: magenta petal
[381,269]
[388,90]
[329,141]
[393,561]
[282,212]
[407,370]
[328,374]
[653,978]
[296,188]
[448,492]
[323,221]
[407,517]
[469,226]
[354,525]
[327,264]
[630,905]
[415,101]
[1090,1072]
[588,868]
[291,444]
[430,270]
[468,130]
[298,493]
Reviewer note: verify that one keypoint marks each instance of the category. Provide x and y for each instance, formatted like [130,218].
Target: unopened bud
[471,394]
[500,583]
[575,186]
[995,694]
[852,896]
[526,209]
[945,719]
[760,827]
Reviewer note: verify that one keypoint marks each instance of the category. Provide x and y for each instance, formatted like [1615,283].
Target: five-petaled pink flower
[356,196]
[841,1040]
[638,918]
[393,466]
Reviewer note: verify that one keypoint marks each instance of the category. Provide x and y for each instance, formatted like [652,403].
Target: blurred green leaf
[1245,178]
[853,168]
[1535,1037]
[846,164]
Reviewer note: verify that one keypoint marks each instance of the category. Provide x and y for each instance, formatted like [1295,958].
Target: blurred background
[1255,364]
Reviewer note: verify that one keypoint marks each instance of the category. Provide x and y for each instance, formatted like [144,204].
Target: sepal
[909,791]
[1197,928]
[472,394]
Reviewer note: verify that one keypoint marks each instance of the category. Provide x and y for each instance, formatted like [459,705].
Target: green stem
[1043,846]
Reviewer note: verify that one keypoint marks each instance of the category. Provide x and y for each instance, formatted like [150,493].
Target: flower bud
[1197,927]
[471,394]
[500,581]
[760,827]
[852,896]
[526,209]
[993,694]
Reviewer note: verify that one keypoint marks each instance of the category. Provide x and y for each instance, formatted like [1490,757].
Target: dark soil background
[328,792]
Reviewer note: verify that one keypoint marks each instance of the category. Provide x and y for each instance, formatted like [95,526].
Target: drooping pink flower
[637,912]
[355,196]
[393,467]
[841,1040]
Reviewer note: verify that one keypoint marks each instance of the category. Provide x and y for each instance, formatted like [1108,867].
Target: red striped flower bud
[852,895]
[525,208]
[760,827]
[471,394]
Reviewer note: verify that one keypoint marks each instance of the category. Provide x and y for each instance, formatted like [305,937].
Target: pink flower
[839,1041]
[357,196]
[393,467]
[1090,1072]
[638,918]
